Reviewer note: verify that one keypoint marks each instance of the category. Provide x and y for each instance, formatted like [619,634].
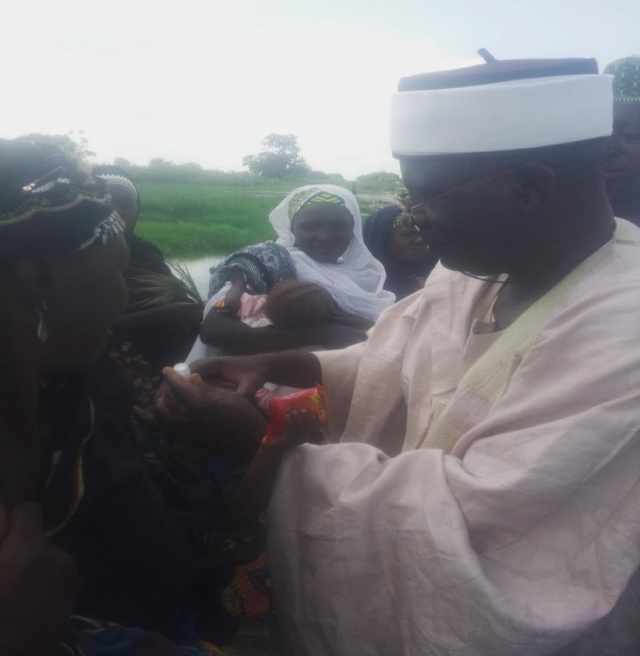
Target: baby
[290,304]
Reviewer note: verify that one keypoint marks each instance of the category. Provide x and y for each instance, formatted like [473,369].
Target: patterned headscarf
[311,196]
[626,79]
[48,205]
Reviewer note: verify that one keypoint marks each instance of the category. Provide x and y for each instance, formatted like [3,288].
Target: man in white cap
[483,497]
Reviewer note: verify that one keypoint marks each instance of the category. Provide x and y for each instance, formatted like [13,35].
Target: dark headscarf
[401,276]
[144,257]
[48,204]
[111,173]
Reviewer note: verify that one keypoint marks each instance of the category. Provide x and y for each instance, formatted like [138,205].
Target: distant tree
[64,141]
[121,162]
[330,178]
[192,167]
[280,158]
[160,163]
[380,181]
[73,142]
[82,145]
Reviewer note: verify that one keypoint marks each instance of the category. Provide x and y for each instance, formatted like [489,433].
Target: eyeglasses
[416,208]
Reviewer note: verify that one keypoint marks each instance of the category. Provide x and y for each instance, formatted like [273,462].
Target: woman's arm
[351,320]
[38,586]
[185,316]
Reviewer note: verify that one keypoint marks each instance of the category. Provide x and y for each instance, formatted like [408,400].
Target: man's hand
[247,373]
[216,419]
[38,585]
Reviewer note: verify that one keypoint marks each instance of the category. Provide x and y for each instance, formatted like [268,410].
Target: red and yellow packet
[311,400]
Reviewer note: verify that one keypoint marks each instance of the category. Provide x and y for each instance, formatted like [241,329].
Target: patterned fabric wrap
[48,205]
[313,196]
[263,266]
[92,638]
[250,593]
[626,79]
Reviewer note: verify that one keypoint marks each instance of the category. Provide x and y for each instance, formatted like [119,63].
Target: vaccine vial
[183,370]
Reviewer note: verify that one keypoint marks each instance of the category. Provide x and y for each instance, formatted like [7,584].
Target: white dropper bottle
[183,370]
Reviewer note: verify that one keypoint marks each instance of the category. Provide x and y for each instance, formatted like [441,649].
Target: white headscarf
[356,282]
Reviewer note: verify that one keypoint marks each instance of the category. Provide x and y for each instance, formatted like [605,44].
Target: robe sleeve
[517,547]
[343,369]
[339,374]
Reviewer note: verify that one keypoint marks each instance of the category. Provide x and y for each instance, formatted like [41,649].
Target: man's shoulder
[446,294]
[617,270]
[604,303]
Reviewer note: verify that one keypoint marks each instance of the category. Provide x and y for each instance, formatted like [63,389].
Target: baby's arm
[234,295]
[252,495]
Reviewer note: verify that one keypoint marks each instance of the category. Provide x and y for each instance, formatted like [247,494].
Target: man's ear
[34,278]
[535,186]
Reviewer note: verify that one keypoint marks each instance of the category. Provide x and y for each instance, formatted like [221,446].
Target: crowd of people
[477,488]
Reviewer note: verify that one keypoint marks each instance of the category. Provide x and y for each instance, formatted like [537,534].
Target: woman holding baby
[319,244]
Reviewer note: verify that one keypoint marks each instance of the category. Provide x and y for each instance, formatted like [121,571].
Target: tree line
[279,159]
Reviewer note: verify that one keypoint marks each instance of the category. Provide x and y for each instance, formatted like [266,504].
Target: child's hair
[293,304]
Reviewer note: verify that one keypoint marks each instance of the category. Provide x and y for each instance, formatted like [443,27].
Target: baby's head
[294,304]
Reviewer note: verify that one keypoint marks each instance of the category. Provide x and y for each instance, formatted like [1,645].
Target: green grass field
[188,219]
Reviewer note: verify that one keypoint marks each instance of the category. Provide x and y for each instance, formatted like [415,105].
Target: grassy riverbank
[188,218]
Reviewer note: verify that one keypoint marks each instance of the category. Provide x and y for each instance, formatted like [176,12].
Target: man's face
[474,227]
[623,163]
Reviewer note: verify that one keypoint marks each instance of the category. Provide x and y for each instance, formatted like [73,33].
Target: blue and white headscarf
[263,266]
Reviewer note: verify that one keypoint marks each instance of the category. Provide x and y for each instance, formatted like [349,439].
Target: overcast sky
[205,80]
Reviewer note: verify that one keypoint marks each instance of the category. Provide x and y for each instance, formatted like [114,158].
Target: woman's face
[623,165]
[405,242]
[85,294]
[323,232]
